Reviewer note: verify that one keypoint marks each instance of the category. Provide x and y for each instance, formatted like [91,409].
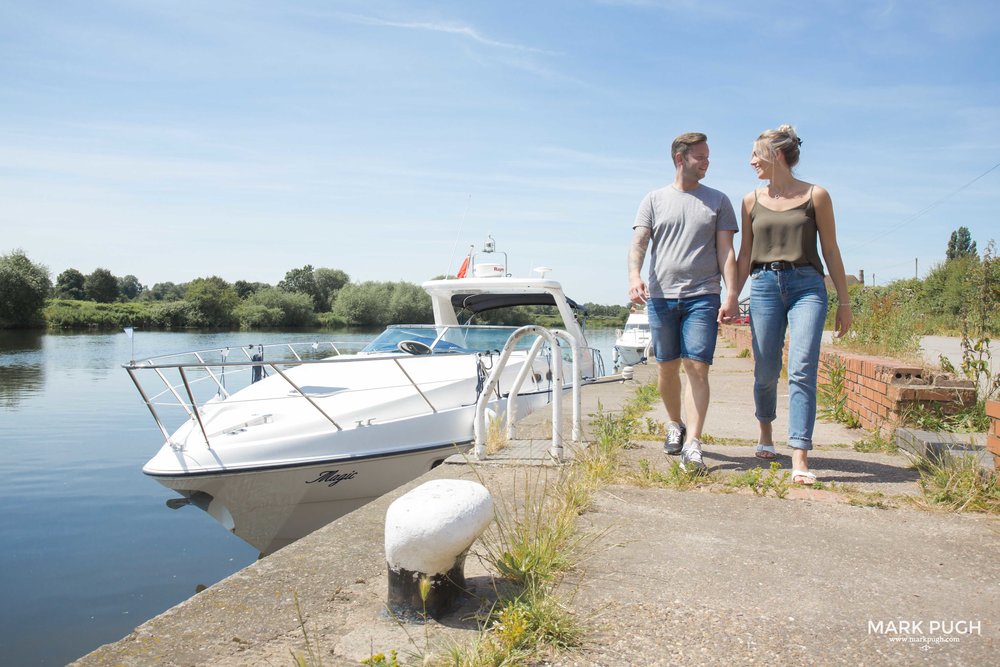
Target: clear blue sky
[178,139]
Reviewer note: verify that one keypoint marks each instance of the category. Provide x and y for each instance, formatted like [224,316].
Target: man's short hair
[683,143]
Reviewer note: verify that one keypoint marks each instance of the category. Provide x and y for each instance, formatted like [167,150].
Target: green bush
[885,322]
[24,286]
[214,301]
[275,307]
[256,316]
[170,314]
[70,314]
[375,303]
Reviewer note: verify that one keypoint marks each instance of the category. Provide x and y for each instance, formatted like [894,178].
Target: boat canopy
[482,294]
[480,302]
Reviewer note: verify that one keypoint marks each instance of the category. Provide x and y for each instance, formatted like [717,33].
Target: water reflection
[19,382]
[22,372]
[20,342]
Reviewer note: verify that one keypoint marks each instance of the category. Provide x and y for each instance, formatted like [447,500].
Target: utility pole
[916,273]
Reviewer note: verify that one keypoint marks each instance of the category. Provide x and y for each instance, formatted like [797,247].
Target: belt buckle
[776,266]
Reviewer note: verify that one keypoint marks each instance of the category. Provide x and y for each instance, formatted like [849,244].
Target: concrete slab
[935,444]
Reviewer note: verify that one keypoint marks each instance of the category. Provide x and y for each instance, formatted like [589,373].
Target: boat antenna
[458,237]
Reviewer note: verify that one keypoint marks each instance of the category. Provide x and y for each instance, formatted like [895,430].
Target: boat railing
[555,338]
[191,384]
[183,392]
[299,350]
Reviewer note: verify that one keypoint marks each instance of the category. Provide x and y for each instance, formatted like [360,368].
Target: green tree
[328,283]
[244,289]
[302,280]
[409,303]
[214,301]
[70,285]
[984,313]
[961,244]
[948,289]
[101,286]
[374,303]
[24,287]
[363,304]
[163,292]
[129,287]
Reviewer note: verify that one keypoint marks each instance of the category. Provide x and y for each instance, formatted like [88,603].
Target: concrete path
[702,577]
[933,347]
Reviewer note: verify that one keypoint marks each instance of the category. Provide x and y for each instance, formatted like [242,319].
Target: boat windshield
[446,339]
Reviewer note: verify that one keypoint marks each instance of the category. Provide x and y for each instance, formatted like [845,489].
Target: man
[692,228]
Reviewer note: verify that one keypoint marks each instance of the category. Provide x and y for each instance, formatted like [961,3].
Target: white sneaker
[675,439]
[691,457]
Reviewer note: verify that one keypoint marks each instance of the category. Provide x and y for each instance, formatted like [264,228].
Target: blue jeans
[687,328]
[795,299]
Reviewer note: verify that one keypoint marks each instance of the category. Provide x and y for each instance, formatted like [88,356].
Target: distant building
[851,280]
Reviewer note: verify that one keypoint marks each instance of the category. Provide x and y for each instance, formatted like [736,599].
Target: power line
[924,210]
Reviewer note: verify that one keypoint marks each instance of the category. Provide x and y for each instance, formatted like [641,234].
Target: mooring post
[428,532]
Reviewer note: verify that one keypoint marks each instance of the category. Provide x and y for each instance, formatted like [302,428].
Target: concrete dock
[700,577]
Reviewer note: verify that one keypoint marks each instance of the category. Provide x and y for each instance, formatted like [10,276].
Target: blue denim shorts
[684,328]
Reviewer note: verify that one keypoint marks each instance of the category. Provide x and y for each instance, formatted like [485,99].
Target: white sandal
[808,477]
[766,452]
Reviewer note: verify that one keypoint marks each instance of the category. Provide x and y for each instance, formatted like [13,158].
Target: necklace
[777,193]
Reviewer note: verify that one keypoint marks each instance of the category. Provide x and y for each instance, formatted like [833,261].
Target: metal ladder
[552,337]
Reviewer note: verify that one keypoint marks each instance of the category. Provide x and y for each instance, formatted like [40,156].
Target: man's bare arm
[638,292]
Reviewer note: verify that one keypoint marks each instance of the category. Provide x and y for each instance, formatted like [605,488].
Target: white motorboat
[633,344]
[275,447]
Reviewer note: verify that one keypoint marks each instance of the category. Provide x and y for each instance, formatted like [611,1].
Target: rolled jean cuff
[796,443]
[766,420]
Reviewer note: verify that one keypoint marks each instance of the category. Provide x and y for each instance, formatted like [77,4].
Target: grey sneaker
[675,439]
[691,458]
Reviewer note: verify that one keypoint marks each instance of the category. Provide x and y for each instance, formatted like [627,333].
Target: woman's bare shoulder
[820,193]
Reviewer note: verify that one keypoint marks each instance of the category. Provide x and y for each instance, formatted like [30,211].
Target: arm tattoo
[637,250]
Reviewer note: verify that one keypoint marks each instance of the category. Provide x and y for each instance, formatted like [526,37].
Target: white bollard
[428,532]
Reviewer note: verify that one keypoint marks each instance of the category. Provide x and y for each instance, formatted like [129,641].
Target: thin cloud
[459,29]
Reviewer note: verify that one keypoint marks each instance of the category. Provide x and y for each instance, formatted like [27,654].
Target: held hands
[729,309]
[843,320]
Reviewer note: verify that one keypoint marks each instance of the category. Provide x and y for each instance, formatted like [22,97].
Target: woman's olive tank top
[785,236]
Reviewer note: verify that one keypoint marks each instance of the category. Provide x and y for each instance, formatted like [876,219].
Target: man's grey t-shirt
[683,260]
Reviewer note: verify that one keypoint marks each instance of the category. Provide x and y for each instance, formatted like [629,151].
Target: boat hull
[629,356]
[272,506]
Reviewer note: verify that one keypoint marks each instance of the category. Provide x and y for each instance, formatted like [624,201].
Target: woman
[781,221]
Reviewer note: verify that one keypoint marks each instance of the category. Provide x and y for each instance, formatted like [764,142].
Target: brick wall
[880,390]
[993,437]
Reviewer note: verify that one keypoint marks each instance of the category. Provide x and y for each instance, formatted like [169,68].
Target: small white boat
[274,448]
[633,344]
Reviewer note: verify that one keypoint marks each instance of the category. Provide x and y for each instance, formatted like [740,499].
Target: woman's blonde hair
[782,139]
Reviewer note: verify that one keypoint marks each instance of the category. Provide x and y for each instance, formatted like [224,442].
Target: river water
[91,551]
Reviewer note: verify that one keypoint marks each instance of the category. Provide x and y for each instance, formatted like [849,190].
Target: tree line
[306,297]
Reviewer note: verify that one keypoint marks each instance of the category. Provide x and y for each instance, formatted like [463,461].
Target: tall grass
[959,484]
[885,324]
